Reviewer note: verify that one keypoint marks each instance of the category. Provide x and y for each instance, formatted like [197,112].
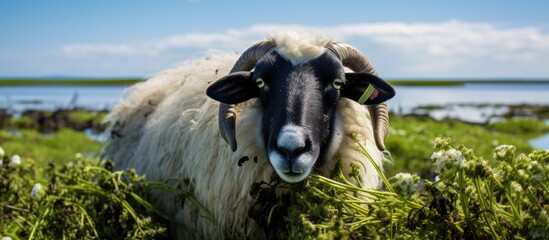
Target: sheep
[296,107]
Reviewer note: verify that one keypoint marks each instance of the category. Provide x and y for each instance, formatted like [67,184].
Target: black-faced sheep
[287,102]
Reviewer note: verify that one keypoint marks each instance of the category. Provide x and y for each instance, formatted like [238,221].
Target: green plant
[80,200]
[87,116]
[520,126]
[58,147]
[410,137]
[469,199]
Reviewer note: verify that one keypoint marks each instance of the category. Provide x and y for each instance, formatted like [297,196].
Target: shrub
[79,200]
[469,199]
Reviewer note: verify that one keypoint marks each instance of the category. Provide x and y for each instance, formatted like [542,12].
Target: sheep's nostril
[291,151]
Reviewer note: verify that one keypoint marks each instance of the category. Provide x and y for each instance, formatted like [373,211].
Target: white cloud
[447,38]
[82,50]
[451,48]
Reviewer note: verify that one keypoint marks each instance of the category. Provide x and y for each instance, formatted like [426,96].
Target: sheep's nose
[291,141]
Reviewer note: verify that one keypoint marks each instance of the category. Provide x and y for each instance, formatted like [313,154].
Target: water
[407,98]
[20,98]
[472,93]
[543,141]
[472,102]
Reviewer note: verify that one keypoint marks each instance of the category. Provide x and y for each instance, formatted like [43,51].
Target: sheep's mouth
[293,172]
[294,169]
[293,177]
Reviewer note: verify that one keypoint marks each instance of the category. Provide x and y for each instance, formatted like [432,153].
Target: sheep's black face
[299,105]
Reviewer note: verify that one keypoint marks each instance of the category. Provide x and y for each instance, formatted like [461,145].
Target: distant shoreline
[443,82]
[129,81]
[4,82]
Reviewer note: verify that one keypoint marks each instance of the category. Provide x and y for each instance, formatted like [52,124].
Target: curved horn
[227,112]
[356,61]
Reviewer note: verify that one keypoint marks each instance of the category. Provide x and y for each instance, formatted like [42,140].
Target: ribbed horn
[356,61]
[227,112]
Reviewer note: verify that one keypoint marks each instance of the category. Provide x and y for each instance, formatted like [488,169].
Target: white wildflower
[498,176]
[78,155]
[516,186]
[504,152]
[523,174]
[532,165]
[437,141]
[535,167]
[404,179]
[501,150]
[16,160]
[456,156]
[441,142]
[405,183]
[6,238]
[36,191]
[2,153]
[446,159]
[440,160]
[468,165]
[437,155]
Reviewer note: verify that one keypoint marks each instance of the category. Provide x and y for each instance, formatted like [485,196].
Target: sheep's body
[167,129]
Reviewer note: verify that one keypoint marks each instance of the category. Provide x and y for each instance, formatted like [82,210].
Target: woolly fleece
[167,129]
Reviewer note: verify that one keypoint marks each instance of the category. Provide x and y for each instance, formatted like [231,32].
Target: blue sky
[404,39]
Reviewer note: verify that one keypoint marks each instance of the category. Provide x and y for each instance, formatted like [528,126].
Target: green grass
[81,199]
[410,138]
[520,126]
[87,116]
[57,147]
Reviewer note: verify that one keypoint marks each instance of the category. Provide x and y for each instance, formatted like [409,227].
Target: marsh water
[472,102]
[20,98]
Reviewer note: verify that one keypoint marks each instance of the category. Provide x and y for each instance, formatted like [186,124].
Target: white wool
[298,47]
[167,129]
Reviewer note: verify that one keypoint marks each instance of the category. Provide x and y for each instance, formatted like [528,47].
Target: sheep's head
[299,94]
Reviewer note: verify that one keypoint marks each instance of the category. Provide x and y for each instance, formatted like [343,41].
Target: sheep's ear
[234,88]
[366,88]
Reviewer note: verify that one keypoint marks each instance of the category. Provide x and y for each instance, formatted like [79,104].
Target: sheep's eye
[260,83]
[337,83]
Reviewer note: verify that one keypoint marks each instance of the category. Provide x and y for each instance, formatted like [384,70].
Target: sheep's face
[299,103]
